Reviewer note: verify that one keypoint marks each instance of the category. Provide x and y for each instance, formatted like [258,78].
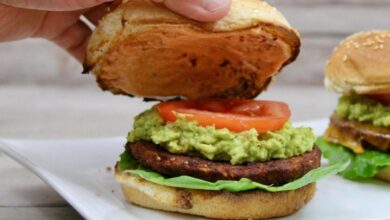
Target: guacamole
[363,109]
[187,137]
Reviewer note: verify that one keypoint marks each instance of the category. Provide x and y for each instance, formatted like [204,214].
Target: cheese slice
[335,135]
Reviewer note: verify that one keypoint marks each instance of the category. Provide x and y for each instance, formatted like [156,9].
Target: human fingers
[201,10]
[54,5]
[74,40]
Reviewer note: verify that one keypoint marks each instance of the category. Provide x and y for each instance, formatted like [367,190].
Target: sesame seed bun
[253,204]
[361,64]
[144,49]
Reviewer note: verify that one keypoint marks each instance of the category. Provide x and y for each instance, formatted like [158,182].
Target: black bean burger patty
[275,172]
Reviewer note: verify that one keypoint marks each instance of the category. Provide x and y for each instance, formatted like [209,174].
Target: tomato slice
[234,114]
[383,98]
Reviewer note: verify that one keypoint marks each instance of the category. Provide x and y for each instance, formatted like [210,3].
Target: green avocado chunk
[363,109]
[187,137]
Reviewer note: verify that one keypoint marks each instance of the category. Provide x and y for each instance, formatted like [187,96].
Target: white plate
[77,169]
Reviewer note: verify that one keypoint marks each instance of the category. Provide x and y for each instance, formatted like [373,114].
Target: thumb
[53,5]
[201,10]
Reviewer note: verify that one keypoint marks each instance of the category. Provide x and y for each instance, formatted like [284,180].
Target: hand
[59,20]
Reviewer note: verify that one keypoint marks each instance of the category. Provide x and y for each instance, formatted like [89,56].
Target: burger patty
[275,172]
[365,134]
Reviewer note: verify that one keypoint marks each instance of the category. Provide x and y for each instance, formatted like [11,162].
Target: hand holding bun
[144,49]
[200,10]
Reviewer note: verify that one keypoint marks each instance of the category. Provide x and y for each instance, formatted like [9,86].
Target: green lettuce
[365,165]
[129,165]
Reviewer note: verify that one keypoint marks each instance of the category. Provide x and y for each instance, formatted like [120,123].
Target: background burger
[231,158]
[359,130]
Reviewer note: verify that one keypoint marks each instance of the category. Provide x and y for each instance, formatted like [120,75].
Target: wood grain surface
[43,94]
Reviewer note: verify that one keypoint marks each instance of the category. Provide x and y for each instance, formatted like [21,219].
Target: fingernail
[214,5]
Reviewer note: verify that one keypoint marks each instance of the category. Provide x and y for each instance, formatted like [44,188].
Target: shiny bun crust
[143,49]
[361,64]
[212,204]
[384,174]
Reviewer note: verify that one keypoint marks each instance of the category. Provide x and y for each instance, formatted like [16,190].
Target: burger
[359,129]
[213,151]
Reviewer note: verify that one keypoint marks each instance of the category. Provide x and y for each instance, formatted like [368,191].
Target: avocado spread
[187,137]
[363,109]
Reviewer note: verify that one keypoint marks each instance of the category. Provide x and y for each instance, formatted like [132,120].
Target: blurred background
[44,95]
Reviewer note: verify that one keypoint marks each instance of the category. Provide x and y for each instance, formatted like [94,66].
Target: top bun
[144,49]
[361,64]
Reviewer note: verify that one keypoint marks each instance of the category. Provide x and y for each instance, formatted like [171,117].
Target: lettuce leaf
[127,162]
[365,165]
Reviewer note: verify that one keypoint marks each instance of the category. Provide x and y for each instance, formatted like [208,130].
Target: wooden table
[43,96]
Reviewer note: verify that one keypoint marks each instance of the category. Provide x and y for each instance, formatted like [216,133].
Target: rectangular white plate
[77,169]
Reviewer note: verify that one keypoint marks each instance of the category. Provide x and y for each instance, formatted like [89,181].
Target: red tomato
[233,114]
[384,98]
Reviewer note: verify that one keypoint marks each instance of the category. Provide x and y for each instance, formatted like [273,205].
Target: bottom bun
[253,204]
[384,174]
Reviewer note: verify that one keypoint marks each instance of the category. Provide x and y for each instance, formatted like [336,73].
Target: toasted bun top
[144,49]
[361,64]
